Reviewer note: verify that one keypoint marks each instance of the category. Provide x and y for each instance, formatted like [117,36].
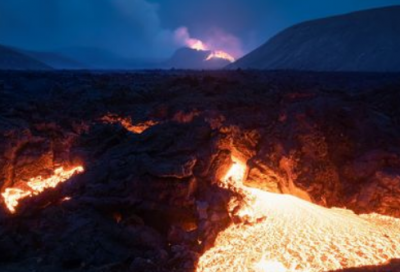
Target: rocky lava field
[146,153]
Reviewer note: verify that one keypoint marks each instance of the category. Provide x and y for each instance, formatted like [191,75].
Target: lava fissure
[36,185]
[126,122]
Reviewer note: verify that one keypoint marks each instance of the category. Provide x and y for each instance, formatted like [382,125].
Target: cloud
[130,27]
[126,27]
[218,39]
[182,38]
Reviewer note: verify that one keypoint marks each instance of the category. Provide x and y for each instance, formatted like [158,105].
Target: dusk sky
[149,28]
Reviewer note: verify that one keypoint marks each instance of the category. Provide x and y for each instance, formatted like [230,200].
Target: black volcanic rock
[361,41]
[11,59]
[187,58]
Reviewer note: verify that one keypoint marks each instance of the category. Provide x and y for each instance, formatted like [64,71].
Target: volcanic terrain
[199,171]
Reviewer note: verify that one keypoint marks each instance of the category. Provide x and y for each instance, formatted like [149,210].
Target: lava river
[282,233]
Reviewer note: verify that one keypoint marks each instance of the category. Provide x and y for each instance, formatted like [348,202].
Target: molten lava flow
[127,123]
[37,185]
[281,233]
[220,55]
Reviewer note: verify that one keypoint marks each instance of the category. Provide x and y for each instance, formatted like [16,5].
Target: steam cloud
[127,27]
[182,38]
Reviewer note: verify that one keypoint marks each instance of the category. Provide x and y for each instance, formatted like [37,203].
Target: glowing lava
[220,55]
[36,185]
[126,122]
[217,54]
[281,233]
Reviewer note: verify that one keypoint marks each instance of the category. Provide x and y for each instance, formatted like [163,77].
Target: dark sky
[146,28]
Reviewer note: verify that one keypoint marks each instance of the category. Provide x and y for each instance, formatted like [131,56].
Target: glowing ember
[37,185]
[127,123]
[285,234]
[220,55]
[67,198]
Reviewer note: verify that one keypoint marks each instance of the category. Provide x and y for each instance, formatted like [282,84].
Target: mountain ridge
[362,41]
[12,59]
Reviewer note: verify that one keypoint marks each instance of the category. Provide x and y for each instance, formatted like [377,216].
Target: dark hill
[361,41]
[55,60]
[11,59]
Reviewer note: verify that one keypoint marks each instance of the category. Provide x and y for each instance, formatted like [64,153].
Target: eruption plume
[215,47]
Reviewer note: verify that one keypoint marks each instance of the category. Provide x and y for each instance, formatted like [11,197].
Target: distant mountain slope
[186,58]
[97,58]
[93,58]
[11,59]
[55,60]
[361,41]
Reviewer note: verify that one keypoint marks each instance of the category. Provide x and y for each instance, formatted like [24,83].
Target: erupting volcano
[281,233]
[214,52]
[217,51]
[217,54]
